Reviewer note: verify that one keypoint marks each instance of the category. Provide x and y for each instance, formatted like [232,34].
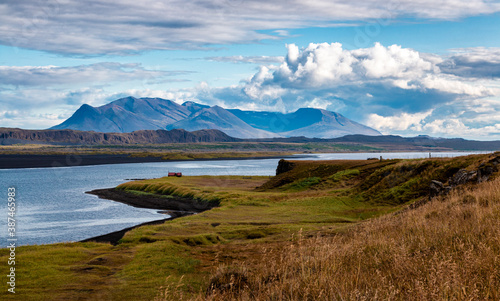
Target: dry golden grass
[448,249]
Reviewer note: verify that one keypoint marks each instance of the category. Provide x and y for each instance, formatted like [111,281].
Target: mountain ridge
[130,114]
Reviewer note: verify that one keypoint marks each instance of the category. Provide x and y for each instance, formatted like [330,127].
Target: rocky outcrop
[284,166]
[485,170]
[463,176]
[436,188]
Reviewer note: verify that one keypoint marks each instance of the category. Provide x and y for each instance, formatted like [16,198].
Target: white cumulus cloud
[401,122]
[370,70]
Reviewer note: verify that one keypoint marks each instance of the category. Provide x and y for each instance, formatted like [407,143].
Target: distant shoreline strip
[47,161]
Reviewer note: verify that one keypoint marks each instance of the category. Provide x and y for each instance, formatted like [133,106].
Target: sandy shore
[173,206]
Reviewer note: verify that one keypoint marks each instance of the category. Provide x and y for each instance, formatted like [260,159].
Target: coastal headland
[375,227]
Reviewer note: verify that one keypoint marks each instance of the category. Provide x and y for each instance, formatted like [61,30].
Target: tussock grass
[448,249]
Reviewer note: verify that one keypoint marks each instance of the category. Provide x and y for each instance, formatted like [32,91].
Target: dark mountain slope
[11,136]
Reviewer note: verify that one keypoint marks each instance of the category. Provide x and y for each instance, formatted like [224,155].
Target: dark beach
[35,161]
[173,206]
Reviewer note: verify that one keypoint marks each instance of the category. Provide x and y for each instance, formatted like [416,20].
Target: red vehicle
[175,174]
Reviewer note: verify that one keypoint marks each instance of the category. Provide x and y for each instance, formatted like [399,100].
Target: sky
[403,67]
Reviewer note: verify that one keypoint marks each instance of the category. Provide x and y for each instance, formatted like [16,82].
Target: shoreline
[17,161]
[10,161]
[114,237]
[173,206]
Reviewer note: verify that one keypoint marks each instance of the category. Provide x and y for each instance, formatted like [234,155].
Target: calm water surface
[52,205]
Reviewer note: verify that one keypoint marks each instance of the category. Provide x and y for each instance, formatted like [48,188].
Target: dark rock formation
[462,177]
[72,137]
[175,203]
[486,170]
[436,188]
[284,166]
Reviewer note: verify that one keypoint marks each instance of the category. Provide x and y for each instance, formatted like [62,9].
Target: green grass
[344,174]
[302,184]
[315,197]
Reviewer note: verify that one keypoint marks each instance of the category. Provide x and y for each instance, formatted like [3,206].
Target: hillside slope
[127,115]
[444,249]
[220,119]
[68,137]
[307,122]
[312,226]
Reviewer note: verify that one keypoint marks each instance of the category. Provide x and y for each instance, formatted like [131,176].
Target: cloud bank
[393,89]
[104,73]
[124,27]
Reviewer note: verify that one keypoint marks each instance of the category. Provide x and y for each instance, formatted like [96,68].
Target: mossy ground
[255,213]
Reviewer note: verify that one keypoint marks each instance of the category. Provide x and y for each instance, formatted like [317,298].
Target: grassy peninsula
[319,230]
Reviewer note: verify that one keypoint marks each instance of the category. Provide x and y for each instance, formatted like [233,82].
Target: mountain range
[10,136]
[132,114]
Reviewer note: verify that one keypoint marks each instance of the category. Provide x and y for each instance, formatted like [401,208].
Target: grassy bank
[291,237]
[448,249]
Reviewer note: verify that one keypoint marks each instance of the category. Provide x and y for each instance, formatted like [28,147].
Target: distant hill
[307,122]
[459,144]
[328,125]
[221,119]
[10,136]
[132,114]
[398,143]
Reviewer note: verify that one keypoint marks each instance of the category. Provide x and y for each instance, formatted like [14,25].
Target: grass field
[290,237]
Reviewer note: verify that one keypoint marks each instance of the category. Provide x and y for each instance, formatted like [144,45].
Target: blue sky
[403,67]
